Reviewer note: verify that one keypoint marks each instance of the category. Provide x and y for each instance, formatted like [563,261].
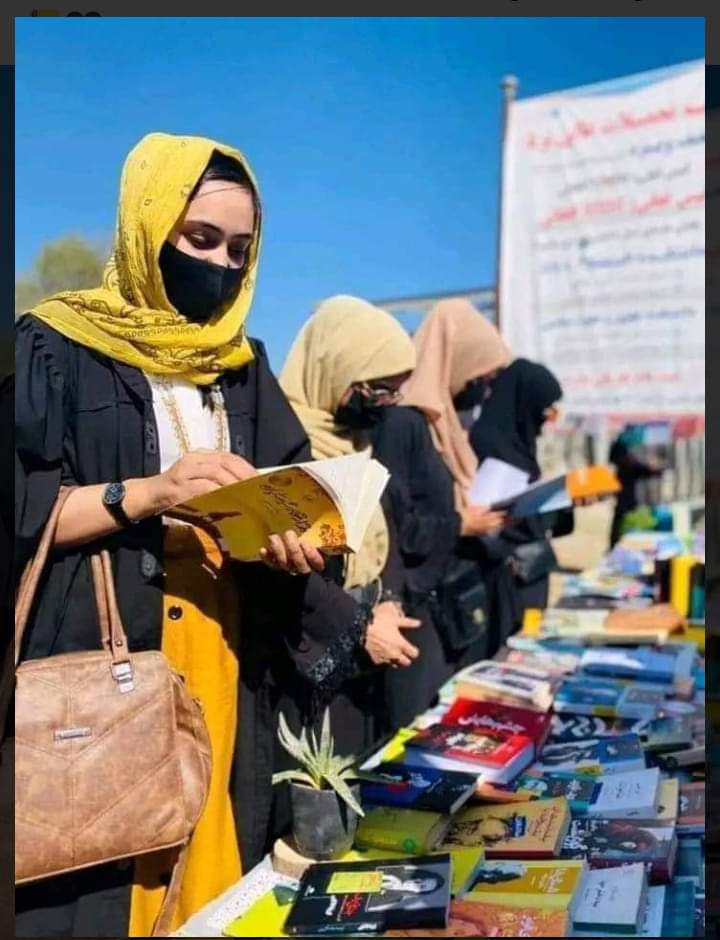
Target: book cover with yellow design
[328,503]
[512,830]
[478,919]
[547,885]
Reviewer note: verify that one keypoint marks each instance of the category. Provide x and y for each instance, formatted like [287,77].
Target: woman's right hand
[480,520]
[194,474]
[384,643]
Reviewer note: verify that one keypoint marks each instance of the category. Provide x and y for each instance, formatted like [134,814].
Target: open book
[560,492]
[328,503]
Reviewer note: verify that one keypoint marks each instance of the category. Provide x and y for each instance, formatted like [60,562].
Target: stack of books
[557,790]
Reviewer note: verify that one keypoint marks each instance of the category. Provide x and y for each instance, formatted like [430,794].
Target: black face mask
[197,289]
[359,413]
[473,394]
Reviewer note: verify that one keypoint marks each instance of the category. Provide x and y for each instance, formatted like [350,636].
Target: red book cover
[504,719]
[487,747]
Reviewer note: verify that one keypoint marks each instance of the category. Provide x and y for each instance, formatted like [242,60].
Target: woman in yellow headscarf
[142,393]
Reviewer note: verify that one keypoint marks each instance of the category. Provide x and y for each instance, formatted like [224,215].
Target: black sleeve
[41,382]
[630,465]
[423,526]
[393,575]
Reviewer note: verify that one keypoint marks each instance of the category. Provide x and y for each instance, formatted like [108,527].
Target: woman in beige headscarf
[426,450]
[344,369]
[456,346]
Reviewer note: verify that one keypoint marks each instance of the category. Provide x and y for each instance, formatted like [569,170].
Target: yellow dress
[200,638]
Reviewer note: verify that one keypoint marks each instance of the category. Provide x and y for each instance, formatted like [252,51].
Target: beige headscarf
[454,345]
[346,340]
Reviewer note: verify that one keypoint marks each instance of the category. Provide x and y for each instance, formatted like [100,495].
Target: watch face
[114,494]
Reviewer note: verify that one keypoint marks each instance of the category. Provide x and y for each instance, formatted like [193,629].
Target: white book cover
[652,919]
[496,480]
[612,899]
[628,794]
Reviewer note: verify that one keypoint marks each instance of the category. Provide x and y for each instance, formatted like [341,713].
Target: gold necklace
[180,428]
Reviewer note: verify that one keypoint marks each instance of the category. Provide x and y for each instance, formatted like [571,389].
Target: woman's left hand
[287,553]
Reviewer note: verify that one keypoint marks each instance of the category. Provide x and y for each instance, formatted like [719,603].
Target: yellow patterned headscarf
[130,318]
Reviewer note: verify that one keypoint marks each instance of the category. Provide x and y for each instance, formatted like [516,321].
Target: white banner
[602,270]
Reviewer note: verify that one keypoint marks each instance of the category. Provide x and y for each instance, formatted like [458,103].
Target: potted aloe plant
[325,805]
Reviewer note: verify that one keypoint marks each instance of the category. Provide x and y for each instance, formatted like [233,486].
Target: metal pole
[509,86]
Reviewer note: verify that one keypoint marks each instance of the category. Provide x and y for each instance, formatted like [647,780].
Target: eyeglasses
[379,394]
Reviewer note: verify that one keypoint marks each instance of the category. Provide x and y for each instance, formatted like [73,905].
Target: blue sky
[375,140]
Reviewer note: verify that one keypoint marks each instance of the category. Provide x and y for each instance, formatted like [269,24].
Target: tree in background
[68,263]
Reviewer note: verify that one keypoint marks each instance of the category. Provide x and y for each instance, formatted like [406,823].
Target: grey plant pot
[324,825]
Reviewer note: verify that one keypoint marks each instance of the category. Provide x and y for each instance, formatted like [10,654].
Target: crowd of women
[147,391]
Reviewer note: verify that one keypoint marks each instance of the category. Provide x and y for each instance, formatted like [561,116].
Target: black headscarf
[512,418]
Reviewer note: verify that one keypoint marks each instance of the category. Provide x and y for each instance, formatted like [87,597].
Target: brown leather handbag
[112,755]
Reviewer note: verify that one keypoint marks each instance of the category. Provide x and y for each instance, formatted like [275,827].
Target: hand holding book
[481,520]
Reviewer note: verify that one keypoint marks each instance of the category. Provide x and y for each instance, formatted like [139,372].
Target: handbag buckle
[123,675]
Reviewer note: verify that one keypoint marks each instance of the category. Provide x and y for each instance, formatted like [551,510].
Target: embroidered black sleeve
[343,658]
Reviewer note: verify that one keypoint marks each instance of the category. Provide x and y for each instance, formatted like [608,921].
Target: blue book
[645,665]
[608,698]
[679,914]
[423,788]
[615,754]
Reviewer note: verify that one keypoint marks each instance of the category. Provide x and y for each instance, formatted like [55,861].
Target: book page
[374,482]
[341,477]
[356,482]
[496,480]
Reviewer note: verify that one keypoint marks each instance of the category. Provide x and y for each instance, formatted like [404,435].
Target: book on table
[328,503]
[580,790]
[549,885]
[652,921]
[634,793]
[502,719]
[492,681]
[613,754]
[401,830]
[471,918]
[612,698]
[466,859]
[691,818]
[612,901]
[512,830]
[350,898]
[609,843]
[494,754]
[645,665]
[418,787]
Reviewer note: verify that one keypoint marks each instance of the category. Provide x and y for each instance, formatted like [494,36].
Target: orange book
[591,483]
[478,919]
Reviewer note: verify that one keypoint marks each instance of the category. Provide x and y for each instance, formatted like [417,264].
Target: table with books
[557,790]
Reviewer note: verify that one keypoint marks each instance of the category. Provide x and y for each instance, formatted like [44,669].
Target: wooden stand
[286,860]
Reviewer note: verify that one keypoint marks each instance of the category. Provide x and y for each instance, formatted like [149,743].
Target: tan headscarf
[346,340]
[455,344]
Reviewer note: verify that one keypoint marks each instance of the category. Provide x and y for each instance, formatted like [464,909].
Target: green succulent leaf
[295,776]
[343,791]
[326,748]
[288,740]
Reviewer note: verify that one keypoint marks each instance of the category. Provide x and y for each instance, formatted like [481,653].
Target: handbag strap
[163,921]
[112,634]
